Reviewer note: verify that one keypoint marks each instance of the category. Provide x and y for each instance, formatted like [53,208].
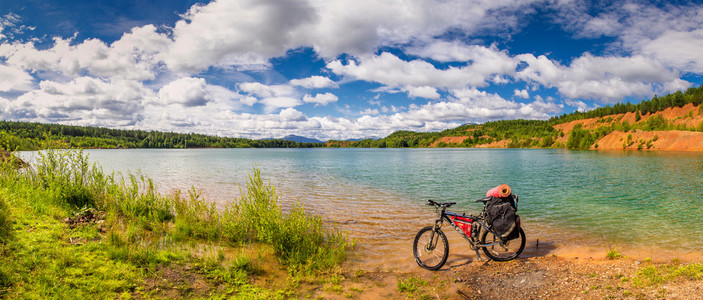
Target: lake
[576,203]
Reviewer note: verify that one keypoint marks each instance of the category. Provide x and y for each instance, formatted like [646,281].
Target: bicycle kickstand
[478,254]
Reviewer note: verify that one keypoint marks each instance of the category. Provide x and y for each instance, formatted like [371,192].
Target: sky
[336,69]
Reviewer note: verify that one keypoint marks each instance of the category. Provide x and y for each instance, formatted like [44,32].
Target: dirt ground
[548,277]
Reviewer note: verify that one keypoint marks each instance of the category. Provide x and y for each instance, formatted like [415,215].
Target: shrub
[72,179]
[139,200]
[196,217]
[5,221]
[298,238]
[656,122]
[580,138]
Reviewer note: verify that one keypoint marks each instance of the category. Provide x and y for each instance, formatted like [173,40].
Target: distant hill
[673,122]
[301,139]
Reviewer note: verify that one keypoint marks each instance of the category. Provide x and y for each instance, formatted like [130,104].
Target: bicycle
[431,248]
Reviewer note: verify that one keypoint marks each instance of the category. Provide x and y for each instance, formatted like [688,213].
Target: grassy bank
[68,230]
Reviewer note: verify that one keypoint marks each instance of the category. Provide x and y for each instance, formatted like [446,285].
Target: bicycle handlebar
[431,202]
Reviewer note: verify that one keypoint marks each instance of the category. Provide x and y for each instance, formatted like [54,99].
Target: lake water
[576,203]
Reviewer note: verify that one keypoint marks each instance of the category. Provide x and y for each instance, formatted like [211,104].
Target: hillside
[672,122]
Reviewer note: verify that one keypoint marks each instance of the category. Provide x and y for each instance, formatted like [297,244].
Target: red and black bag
[502,216]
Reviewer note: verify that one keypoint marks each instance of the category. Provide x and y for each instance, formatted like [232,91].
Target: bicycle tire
[502,252]
[426,254]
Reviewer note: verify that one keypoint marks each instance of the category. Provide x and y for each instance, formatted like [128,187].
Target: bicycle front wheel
[430,248]
[502,251]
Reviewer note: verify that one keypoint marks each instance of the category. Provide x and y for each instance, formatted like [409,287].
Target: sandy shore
[544,277]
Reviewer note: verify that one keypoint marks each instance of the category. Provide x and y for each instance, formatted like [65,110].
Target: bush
[139,200]
[74,182]
[656,122]
[298,238]
[5,221]
[196,217]
[580,138]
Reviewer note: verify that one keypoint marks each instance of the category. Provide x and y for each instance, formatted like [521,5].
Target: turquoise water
[633,198]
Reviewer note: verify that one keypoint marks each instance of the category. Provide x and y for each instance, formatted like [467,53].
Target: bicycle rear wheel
[430,248]
[502,252]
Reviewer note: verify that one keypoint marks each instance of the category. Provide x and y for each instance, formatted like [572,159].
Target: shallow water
[576,203]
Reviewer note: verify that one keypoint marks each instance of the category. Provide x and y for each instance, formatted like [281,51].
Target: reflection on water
[568,199]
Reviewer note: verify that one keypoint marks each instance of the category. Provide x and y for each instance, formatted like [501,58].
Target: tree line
[34,136]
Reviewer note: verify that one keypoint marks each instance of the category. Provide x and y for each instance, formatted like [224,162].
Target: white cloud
[291,114]
[369,111]
[681,50]
[265,91]
[250,32]
[186,91]
[580,105]
[422,92]
[83,101]
[392,71]
[668,33]
[521,93]
[321,99]
[189,92]
[605,79]
[14,79]
[245,32]
[314,82]
[361,28]
[273,103]
[133,57]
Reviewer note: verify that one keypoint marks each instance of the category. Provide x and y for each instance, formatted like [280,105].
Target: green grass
[613,254]
[143,232]
[658,274]
[411,284]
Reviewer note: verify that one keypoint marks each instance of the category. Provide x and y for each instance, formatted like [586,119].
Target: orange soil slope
[673,140]
[689,116]
[449,140]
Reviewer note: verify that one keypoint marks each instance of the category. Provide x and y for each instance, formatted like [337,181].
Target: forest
[33,136]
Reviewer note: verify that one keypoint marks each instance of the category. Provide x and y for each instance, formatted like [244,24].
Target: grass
[613,254]
[411,284]
[658,274]
[129,233]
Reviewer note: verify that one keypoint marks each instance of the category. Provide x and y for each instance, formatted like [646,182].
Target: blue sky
[336,69]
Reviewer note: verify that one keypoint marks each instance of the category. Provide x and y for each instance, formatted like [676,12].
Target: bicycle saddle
[484,200]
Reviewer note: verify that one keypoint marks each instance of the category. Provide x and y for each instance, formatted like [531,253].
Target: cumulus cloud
[320,99]
[265,91]
[186,91]
[314,82]
[249,32]
[291,114]
[392,71]
[361,28]
[274,103]
[681,50]
[669,33]
[83,101]
[521,93]
[273,97]
[422,92]
[605,79]
[245,32]
[14,79]
[133,57]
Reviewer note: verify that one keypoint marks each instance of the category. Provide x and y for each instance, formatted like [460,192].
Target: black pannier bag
[502,216]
